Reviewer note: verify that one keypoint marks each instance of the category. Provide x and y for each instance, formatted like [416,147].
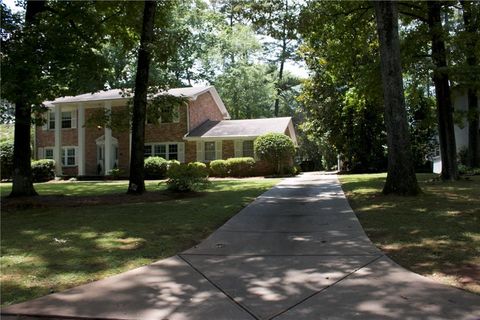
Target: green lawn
[80,188]
[436,234]
[53,249]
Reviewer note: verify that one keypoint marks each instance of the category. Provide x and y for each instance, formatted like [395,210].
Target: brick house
[200,130]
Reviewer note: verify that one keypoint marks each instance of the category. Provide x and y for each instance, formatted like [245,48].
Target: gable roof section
[116,94]
[238,129]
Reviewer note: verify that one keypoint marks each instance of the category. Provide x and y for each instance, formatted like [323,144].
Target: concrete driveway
[297,252]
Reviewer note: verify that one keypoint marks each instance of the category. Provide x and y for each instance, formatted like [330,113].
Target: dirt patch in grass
[55,201]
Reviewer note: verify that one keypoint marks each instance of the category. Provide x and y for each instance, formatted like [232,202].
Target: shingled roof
[240,128]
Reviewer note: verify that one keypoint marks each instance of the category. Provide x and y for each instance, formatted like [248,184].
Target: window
[210,151]
[247,148]
[67,120]
[147,151]
[68,157]
[48,153]
[168,151]
[51,120]
[173,152]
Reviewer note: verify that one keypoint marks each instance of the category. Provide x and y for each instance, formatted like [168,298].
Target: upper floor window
[166,114]
[51,120]
[247,148]
[67,120]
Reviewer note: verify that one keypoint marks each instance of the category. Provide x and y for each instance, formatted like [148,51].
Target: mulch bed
[55,201]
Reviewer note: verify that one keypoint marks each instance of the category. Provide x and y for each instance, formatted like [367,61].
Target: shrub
[43,170]
[218,168]
[155,168]
[276,148]
[6,160]
[240,167]
[115,173]
[187,177]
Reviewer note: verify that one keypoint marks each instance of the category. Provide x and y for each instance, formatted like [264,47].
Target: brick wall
[190,151]
[228,149]
[202,109]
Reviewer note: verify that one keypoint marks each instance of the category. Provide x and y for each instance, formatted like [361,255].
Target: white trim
[291,130]
[219,102]
[57,152]
[81,139]
[208,138]
[108,142]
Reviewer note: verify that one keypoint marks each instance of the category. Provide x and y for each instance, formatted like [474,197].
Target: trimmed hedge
[219,168]
[43,170]
[155,168]
[184,177]
[240,167]
[276,148]
[6,160]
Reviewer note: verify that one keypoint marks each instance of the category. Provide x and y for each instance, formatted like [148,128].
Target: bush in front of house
[276,148]
[155,168]
[184,177]
[6,160]
[240,167]
[43,170]
[218,168]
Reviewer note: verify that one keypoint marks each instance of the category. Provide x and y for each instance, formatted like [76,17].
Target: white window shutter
[238,148]
[46,119]
[181,151]
[218,150]
[74,118]
[200,156]
[40,154]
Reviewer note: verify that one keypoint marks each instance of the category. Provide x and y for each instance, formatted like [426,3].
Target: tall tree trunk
[471,27]
[401,178]
[137,176]
[22,153]
[283,57]
[446,131]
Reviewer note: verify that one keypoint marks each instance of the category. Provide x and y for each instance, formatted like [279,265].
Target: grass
[48,250]
[436,234]
[81,188]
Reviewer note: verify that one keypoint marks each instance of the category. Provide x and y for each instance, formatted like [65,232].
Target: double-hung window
[68,157]
[51,120]
[247,148]
[67,120]
[210,151]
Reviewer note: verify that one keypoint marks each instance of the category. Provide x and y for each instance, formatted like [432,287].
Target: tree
[137,179]
[471,19]
[276,148]
[442,92]
[401,178]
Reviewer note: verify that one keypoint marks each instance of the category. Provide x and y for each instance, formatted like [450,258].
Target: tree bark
[283,55]
[446,133]
[137,176]
[22,153]
[471,27]
[401,178]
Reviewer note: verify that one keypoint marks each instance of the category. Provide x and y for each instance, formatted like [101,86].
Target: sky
[297,69]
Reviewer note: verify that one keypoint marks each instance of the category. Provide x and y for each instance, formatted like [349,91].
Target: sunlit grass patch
[436,234]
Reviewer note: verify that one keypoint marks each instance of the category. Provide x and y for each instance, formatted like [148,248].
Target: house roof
[117,94]
[241,128]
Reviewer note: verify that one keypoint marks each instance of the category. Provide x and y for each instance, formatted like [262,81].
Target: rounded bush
[43,170]
[187,177]
[240,167]
[219,168]
[276,148]
[155,168]
[6,160]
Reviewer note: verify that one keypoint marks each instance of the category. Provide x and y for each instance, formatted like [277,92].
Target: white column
[81,139]
[108,142]
[57,150]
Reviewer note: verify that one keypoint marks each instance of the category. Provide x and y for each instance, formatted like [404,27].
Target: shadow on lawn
[56,248]
[435,233]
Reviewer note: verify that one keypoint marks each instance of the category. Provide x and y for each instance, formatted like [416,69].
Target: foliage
[6,160]
[189,177]
[218,168]
[43,170]
[155,168]
[276,148]
[240,167]
[115,173]
[248,90]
